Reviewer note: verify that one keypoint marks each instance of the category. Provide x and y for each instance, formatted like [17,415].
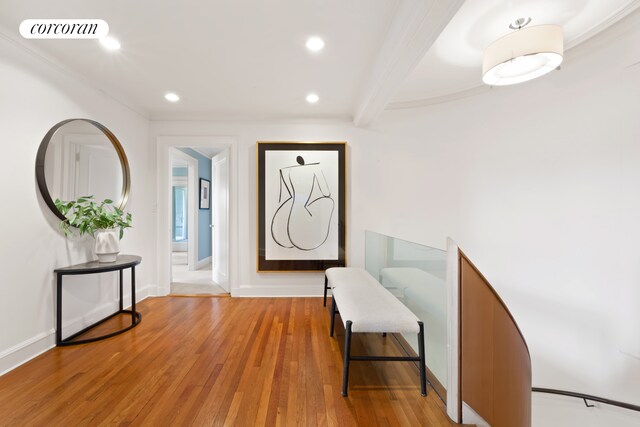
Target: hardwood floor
[219,361]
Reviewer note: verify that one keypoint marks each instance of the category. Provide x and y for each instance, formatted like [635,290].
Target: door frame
[163,254]
[218,277]
[192,207]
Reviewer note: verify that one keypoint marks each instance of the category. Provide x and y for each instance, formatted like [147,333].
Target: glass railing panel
[416,275]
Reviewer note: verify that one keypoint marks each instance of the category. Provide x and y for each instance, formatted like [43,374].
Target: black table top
[123,261]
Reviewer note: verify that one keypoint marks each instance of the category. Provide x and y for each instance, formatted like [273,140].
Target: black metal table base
[70,339]
[123,262]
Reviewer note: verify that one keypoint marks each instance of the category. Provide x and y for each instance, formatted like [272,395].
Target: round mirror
[81,157]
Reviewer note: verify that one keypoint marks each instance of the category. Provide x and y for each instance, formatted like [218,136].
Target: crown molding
[258,119]
[39,55]
[433,100]
[480,88]
[618,15]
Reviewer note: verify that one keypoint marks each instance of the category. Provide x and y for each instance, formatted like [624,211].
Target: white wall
[540,186]
[247,281]
[35,96]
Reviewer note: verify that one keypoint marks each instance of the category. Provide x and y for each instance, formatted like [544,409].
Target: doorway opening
[196,202]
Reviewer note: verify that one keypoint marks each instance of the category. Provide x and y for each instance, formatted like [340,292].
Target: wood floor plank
[219,361]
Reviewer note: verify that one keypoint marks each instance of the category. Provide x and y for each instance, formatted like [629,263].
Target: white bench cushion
[370,307]
[347,275]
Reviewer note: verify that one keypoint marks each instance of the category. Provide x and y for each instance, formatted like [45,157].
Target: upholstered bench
[367,307]
[343,275]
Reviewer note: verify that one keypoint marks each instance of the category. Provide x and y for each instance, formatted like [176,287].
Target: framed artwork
[205,193]
[301,211]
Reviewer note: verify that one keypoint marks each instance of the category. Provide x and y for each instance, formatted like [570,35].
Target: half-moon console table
[93,267]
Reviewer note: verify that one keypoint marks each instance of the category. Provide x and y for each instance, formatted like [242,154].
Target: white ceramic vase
[107,244]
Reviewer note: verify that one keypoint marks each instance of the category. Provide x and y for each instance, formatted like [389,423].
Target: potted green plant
[102,220]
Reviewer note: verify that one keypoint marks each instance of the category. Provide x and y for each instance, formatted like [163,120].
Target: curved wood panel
[495,368]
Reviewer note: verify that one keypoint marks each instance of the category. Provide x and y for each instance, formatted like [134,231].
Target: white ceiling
[208,151]
[246,58]
[454,63]
[224,58]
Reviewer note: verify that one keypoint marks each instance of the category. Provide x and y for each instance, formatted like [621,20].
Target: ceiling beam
[413,30]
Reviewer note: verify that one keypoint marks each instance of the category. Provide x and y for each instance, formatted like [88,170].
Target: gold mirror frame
[42,152]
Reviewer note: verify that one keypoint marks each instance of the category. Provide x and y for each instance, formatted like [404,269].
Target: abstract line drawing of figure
[303,217]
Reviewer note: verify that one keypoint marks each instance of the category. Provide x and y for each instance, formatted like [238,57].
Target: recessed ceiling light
[172,97]
[315,44]
[110,43]
[312,98]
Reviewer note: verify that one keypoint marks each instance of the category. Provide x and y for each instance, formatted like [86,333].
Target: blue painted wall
[204,215]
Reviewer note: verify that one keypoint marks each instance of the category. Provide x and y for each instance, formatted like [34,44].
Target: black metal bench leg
[326,286]
[423,368]
[347,359]
[333,316]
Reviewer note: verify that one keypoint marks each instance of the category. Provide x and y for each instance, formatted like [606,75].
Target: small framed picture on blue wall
[205,193]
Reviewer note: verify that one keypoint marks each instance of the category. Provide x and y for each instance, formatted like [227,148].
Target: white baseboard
[26,350]
[203,262]
[146,292]
[23,352]
[273,291]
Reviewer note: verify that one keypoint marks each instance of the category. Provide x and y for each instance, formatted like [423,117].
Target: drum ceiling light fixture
[523,55]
